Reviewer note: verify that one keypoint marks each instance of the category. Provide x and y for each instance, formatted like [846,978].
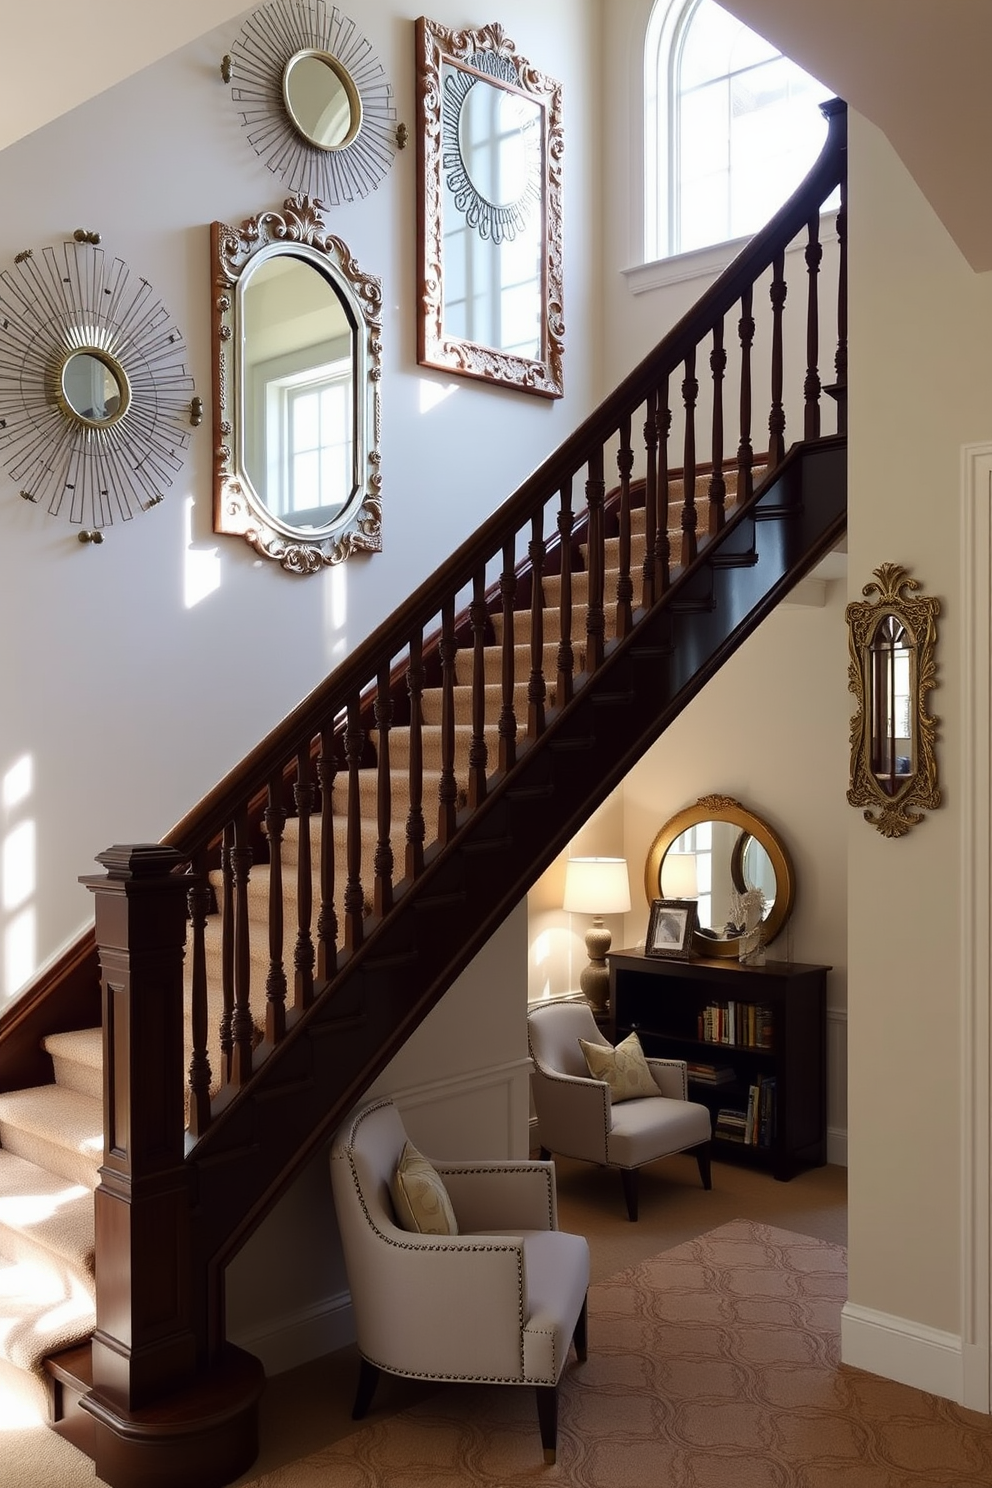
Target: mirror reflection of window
[299,382]
[698,841]
[891,682]
[491,227]
[90,387]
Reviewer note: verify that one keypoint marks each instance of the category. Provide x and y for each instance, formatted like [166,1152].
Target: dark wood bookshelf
[776,1043]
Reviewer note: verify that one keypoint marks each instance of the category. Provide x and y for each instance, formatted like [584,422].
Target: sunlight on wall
[201,568]
[336,614]
[432,394]
[18,878]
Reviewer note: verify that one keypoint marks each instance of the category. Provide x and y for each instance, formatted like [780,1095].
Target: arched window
[732,126]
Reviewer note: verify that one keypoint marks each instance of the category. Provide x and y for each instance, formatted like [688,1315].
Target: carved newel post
[156,1406]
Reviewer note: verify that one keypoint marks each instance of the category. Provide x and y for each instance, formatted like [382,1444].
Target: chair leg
[703,1162]
[628,1177]
[581,1335]
[368,1378]
[547,1415]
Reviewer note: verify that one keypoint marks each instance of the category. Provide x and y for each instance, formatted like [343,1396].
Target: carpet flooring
[712,1364]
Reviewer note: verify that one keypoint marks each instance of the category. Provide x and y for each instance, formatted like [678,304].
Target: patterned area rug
[713,1365]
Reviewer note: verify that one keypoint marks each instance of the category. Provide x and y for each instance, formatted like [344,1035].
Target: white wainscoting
[837,1086]
[482,1114]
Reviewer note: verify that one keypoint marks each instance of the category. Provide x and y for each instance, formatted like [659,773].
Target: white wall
[922,385]
[135,674]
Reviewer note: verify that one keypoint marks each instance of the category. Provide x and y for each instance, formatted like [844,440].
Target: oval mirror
[321,99]
[94,387]
[709,851]
[296,387]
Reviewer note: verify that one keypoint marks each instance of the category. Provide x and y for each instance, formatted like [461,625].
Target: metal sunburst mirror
[314,99]
[96,399]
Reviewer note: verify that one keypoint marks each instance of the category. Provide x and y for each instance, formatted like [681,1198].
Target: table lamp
[596,886]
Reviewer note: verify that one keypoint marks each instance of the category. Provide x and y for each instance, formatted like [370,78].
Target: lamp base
[594,982]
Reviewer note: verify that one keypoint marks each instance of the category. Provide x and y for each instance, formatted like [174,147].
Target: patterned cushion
[624,1068]
[419,1197]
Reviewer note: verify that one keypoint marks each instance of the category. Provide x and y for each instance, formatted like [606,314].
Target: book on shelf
[710,1074]
[754,1126]
[750,1025]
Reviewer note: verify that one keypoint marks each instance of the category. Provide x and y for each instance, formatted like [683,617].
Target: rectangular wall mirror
[489,140]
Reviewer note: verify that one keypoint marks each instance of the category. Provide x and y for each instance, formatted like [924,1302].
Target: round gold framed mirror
[321,99]
[93,387]
[731,850]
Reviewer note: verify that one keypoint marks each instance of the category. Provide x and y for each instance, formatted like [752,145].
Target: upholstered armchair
[578,1117]
[499,1301]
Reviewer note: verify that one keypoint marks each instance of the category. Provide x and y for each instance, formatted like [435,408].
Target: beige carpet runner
[713,1365]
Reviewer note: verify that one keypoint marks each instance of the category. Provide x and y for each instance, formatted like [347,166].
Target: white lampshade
[596,886]
[678,876]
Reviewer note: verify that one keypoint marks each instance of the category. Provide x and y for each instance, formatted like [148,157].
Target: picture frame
[670,928]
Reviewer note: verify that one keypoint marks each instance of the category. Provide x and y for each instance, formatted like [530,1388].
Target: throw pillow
[624,1068]
[419,1197]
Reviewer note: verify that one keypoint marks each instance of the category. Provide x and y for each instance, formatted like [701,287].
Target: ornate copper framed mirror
[489,145]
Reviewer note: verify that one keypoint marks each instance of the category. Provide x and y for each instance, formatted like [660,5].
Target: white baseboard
[299,1337]
[837,1146]
[900,1350]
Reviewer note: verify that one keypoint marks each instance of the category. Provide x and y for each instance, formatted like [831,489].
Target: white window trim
[707,263]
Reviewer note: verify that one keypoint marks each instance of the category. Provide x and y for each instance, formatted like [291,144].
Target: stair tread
[46,1310]
[85,1045]
[65,1119]
[47,1210]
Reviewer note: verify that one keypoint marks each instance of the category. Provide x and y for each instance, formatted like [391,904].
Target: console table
[754,1038]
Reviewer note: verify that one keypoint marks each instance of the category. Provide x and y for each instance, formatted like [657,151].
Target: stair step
[78,1060]
[58,1129]
[41,1213]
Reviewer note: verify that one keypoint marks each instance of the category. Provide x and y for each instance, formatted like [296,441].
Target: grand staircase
[338,881]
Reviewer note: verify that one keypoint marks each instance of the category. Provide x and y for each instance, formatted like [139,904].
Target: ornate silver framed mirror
[490,142]
[710,852]
[96,398]
[297,366]
[314,99]
[892,640]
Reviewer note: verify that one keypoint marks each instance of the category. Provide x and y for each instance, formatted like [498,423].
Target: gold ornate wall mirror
[490,241]
[96,397]
[892,640]
[314,99]
[297,365]
[712,850]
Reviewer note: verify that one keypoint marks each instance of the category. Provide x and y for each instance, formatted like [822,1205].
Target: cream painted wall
[771,730]
[135,674]
[922,388]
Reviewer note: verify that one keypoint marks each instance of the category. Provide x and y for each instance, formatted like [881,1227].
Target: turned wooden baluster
[327,918]
[839,389]
[811,385]
[354,895]
[198,1076]
[718,485]
[447,790]
[242,1025]
[536,687]
[227,955]
[596,612]
[415,826]
[650,587]
[275,982]
[690,392]
[662,542]
[745,452]
[508,715]
[478,755]
[564,685]
[625,584]
[382,893]
[304,956]
[776,418]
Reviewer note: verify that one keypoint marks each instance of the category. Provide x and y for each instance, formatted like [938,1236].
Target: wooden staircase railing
[371,926]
